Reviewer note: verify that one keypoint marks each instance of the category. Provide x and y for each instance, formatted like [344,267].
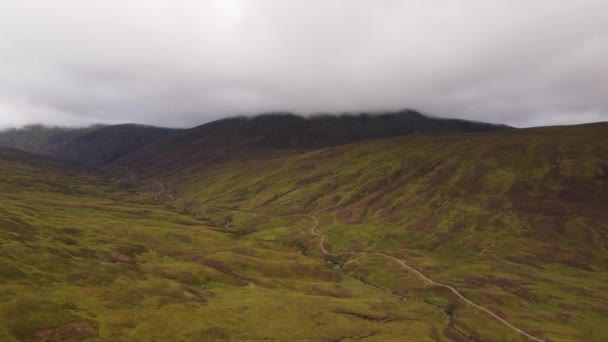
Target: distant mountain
[99,144]
[41,139]
[94,145]
[287,133]
[105,144]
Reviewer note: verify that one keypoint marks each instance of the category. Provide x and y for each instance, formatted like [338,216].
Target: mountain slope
[288,131]
[105,144]
[93,145]
[273,134]
[81,258]
[516,220]
[513,220]
[99,145]
[40,139]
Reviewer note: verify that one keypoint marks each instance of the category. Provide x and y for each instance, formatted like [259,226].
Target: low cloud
[183,63]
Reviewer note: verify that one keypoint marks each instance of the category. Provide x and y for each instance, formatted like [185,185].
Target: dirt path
[420,275]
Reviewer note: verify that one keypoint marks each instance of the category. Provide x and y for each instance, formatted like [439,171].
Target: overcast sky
[186,62]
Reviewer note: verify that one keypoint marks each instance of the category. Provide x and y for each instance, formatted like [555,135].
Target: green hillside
[82,258]
[515,220]
[277,134]
[198,237]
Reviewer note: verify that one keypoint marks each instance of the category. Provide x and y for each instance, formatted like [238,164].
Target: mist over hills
[40,139]
[288,131]
[93,145]
[101,144]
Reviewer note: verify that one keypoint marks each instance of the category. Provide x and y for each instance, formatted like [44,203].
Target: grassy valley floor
[81,258]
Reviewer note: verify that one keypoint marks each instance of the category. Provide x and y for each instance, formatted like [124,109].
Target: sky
[181,63]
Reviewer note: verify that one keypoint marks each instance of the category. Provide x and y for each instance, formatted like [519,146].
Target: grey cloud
[182,63]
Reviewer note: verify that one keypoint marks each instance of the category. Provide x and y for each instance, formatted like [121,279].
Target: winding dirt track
[313,231]
[420,275]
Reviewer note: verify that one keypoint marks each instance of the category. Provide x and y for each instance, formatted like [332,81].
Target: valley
[204,234]
[85,260]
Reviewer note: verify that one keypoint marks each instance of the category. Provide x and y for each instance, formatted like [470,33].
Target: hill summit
[102,144]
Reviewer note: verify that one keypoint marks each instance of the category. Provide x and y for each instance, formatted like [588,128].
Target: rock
[115,257]
[73,332]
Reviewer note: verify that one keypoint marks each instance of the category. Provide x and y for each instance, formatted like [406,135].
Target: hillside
[40,139]
[94,145]
[273,134]
[105,144]
[516,220]
[206,234]
[99,144]
[81,258]
[288,131]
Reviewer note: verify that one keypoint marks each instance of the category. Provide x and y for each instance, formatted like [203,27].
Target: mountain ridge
[91,145]
[274,134]
[102,144]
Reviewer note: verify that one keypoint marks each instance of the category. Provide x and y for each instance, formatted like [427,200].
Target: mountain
[288,131]
[99,144]
[514,219]
[269,134]
[40,139]
[94,145]
[285,228]
[105,144]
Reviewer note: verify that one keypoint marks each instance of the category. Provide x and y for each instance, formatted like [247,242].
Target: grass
[82,258]
[514,219]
